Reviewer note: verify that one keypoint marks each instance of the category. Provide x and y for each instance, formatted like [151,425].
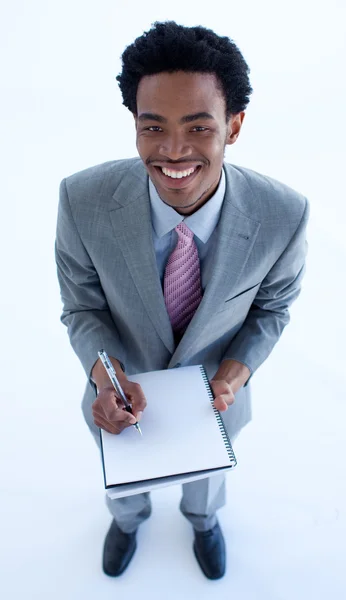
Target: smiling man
[177,258]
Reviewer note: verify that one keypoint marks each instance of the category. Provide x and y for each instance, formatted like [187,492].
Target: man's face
[165,139]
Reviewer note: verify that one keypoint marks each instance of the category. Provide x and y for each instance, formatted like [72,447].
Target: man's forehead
[179,99]
[180,82]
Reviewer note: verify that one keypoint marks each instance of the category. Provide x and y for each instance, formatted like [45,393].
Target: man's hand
[109,411]
[229,378]
[224,395]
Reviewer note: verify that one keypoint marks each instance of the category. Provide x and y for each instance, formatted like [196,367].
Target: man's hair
[168,47]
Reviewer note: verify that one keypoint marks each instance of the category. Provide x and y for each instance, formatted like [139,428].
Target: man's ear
[235,127]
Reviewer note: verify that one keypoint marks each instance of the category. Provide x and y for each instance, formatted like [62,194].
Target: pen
[112,376]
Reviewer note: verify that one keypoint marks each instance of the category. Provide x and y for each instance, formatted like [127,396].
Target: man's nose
[175,147]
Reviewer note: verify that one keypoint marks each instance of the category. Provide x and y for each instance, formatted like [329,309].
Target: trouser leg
[130,511]
[201,499]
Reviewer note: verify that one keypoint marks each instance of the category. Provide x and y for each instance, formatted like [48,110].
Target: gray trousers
[199,503]
[200,500]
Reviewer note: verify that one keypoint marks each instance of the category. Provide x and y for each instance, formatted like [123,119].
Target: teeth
[177,174]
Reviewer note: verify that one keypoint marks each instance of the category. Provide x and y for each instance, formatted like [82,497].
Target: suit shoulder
[268,192]
[95,176]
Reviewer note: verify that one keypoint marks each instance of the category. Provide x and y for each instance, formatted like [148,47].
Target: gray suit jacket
[111,291]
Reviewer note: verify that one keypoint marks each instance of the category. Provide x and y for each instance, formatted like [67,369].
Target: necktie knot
[185,235]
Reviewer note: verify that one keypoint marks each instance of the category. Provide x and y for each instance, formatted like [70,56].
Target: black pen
[112,376]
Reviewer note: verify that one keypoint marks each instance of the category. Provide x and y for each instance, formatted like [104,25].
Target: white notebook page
[180,431]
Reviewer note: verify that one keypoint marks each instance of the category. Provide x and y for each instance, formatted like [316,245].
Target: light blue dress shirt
[203,223]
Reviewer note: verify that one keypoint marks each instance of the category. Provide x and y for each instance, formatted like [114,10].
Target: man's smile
[181,182]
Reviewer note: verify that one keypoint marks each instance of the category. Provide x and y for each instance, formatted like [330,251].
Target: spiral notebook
[184,437]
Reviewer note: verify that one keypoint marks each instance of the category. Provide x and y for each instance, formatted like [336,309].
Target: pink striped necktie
[182,284]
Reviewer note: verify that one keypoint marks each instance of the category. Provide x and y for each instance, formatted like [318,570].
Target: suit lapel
[131,220]
[237,232]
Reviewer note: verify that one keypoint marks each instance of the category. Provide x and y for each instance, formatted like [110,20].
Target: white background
[61,111]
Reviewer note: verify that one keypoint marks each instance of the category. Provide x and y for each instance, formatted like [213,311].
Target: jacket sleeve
[268,314]
[86,313]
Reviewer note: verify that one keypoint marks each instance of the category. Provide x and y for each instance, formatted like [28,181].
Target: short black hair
[169,47]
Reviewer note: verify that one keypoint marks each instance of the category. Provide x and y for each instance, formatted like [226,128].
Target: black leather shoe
[119,548]
[210,551]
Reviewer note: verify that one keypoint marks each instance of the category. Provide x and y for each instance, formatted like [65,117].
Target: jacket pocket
[244,292]
[243,299]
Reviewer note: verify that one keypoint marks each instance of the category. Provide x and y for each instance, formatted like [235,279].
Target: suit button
[177,365]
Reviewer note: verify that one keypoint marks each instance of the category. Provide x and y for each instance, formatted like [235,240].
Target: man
[177,258]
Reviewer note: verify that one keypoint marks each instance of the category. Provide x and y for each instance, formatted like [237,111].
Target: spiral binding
[218,417]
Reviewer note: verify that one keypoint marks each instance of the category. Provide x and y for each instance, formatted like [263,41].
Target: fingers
[109,412]
[220,403]
[116,423]
[109,404]
[137,398]
[116,427]
[223,393]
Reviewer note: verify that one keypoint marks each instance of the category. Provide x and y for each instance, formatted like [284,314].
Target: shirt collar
[202,222]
